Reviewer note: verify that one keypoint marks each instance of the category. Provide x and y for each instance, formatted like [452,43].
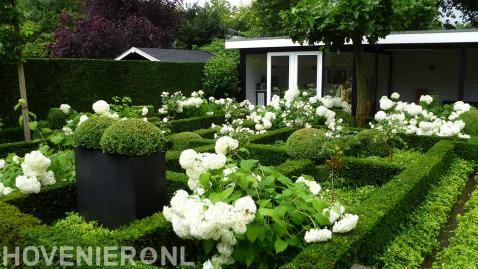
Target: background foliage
[80,83]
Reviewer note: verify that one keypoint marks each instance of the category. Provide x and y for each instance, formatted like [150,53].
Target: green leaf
[208,246]
[204,180]
[252,232]
[319,204]
[248,164]
[280,245]
[57,138]
[33,125]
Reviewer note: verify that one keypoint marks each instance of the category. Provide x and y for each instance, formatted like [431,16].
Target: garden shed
[443,63]
[166,55]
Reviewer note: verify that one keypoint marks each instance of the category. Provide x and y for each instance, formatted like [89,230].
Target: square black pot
[116,190]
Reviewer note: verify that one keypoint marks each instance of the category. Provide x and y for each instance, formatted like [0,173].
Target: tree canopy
[468,8]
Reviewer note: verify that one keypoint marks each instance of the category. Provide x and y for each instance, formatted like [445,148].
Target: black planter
[115,190]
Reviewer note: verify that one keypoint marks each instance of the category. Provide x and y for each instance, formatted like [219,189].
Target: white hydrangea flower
[27,184]
[380,116]
[426,98]
[385,103]
[67,131]
[346,224]
[316,235]
[144,111]
[16,159]
[101,107]
[395,95]
[313,186]
[2,163]
[291,94]
[65,108]
[83,118]
[461,106]
[188,158]
[226,143]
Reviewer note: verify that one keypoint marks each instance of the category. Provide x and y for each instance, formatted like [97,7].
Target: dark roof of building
[168,55]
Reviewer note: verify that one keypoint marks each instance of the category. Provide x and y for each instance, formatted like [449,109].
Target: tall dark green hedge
[81,82]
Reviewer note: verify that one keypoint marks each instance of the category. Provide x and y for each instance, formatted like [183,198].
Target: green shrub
[462,252]
[365,144]
[81,82]
[419,236]
[381,215]
[471,122]
[195,123]
[12,222]
[182,141]
[56,118]
[51,204]
[306,143]
[8,135]
[206,133]
[220,73]
[20,148]
[271,137]
[132,137]
[88,134]
[348,119]
[295,168]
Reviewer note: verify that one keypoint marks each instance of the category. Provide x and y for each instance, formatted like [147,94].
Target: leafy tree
[267,14]
[109,27]
[336,22]
[11,41]
[469,9]
[200,25]
[220,73]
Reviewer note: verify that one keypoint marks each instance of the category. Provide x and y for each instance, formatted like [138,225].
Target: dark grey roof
[178,55]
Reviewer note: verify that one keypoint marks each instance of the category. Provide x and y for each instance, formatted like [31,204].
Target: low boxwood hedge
[380,215]
[195,123]
[206,133]
[13,134]
[20,148]
[12,223]
[271,137]
[419,236]
[463,249]
[51,204]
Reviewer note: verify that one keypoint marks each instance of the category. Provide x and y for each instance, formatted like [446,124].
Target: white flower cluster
[342,223]
[103,108]
[195,217]
[411,118]
[4,190]
[65,108]
[196,163]
[35,173]
[313,186]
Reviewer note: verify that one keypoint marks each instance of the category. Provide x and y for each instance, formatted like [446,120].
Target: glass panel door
[309,72]
[279,74]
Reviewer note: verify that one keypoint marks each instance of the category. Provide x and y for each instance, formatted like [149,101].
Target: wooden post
[23,95]
[21,81]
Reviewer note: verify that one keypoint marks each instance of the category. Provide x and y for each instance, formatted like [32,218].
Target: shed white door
[294,70]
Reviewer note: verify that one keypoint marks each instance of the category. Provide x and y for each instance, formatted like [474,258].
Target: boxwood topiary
[471,122]
[88,134]
[133,138]
[182,141]
[306,143]
[56,118]
[365,144]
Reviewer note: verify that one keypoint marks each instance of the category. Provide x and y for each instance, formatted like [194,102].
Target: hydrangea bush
[428,118]
[247,213]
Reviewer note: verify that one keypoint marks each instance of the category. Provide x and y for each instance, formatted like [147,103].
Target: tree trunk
[361,110]
[21,81]
[23,95]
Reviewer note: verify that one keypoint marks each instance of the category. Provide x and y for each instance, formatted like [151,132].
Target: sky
[233,2]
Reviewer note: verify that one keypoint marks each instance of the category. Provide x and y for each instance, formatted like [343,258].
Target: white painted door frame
[293,69]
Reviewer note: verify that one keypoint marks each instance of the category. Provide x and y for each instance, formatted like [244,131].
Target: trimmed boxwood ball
[348,119]
[306,143]
[133,138]
[471,122]
[88,134]
[181,141]
[365,144]
[56,118]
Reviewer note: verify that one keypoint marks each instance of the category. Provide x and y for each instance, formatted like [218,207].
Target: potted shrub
[120,170]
